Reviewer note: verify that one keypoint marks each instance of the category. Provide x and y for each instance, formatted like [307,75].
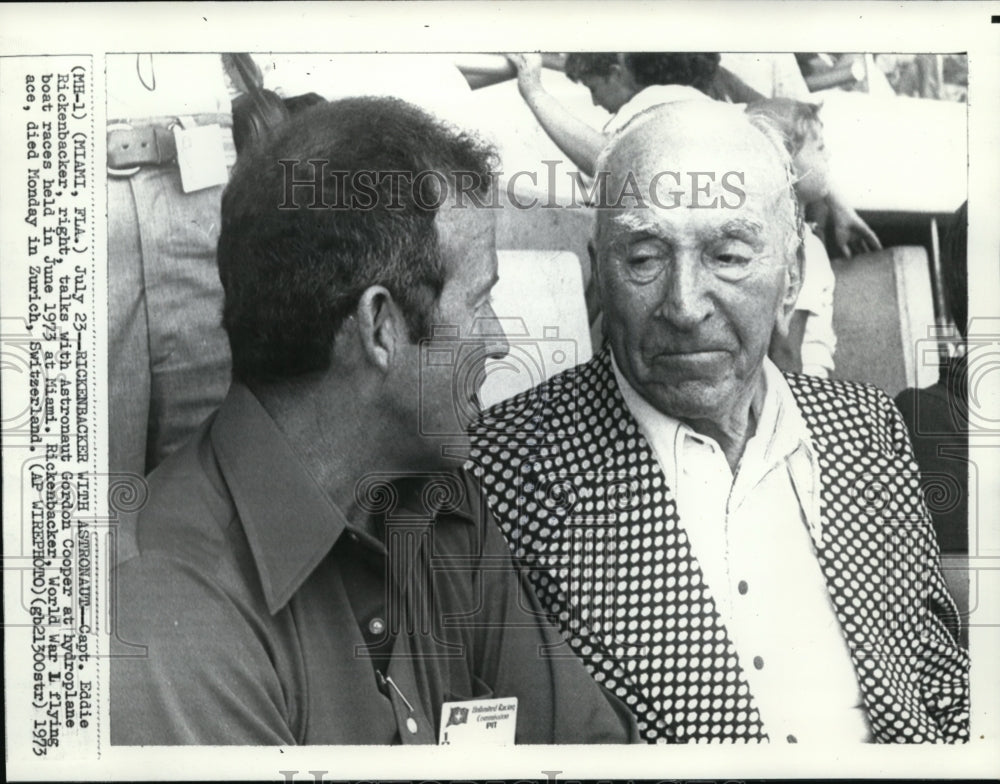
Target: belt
[130,147]
[152,143]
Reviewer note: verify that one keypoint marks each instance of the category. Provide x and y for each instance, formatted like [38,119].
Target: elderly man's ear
[793,285]
[380,327]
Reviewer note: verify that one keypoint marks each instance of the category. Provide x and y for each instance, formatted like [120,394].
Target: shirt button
[792,739]
[376,626]
[411,725]
[742,587]
[758,662]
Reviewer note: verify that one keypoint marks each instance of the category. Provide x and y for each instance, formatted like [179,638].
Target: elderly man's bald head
[701,154]
[697,259]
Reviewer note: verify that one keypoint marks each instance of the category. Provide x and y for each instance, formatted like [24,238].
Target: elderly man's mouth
[698,363]
[693,355]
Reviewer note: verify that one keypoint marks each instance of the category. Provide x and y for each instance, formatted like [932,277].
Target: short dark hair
[292,274]
[692,69]
[794,119]
[580,65]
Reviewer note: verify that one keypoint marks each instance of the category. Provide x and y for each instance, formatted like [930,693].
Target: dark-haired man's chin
[445,433]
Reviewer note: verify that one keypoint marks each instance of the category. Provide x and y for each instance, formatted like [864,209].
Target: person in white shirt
[168,359]
[625,84]
[740,555]
[809,343]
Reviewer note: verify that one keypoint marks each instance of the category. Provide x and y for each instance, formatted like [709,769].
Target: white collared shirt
[754,536]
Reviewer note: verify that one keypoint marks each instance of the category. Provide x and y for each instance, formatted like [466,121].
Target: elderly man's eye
[643,267]
[732,261]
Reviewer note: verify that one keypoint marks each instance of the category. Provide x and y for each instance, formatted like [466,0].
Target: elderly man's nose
[685,301]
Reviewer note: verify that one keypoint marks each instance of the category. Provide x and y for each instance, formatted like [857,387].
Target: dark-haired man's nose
[494,336]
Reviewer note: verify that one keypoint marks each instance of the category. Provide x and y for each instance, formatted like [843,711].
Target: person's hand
[529,70]
[850,233]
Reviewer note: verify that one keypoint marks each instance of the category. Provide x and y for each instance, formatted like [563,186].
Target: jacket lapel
[867,548]
[609,557]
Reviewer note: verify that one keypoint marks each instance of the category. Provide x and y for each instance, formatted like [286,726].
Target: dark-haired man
[309,571]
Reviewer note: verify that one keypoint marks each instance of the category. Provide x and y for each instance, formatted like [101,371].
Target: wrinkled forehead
[711,161]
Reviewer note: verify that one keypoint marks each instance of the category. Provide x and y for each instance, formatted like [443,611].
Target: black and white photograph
[522,392]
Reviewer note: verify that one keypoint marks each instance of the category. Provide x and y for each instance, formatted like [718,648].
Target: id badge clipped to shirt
[200,155]
[491,722]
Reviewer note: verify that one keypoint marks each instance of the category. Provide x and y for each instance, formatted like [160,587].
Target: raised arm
[581,143]
[850,232]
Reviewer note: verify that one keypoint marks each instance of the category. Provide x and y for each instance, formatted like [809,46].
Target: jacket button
[742,587]
[792,739]
[411,725]
[758,662]
[376,626]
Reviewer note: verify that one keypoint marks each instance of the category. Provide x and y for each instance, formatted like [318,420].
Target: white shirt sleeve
[816,298]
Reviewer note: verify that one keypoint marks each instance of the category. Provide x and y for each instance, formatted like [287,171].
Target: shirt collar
[788,439]
[653,422]
[290,522]
[780,425]
[781,435]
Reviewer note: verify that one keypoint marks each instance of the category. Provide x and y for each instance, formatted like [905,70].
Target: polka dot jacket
[581,500]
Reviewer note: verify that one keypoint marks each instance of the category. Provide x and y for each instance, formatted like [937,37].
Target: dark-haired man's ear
[380,326]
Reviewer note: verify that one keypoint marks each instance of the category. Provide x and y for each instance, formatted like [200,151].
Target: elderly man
[308,570]
[740,555]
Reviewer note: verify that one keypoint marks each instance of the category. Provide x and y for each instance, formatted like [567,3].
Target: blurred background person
[809,342]
[168,359]
[627,84]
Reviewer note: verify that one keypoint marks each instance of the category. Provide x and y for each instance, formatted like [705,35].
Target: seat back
[883,316]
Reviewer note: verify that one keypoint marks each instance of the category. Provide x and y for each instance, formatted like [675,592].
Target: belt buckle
[112,172]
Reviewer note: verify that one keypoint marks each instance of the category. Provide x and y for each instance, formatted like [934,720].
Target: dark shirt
[938,420]
[254,613]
